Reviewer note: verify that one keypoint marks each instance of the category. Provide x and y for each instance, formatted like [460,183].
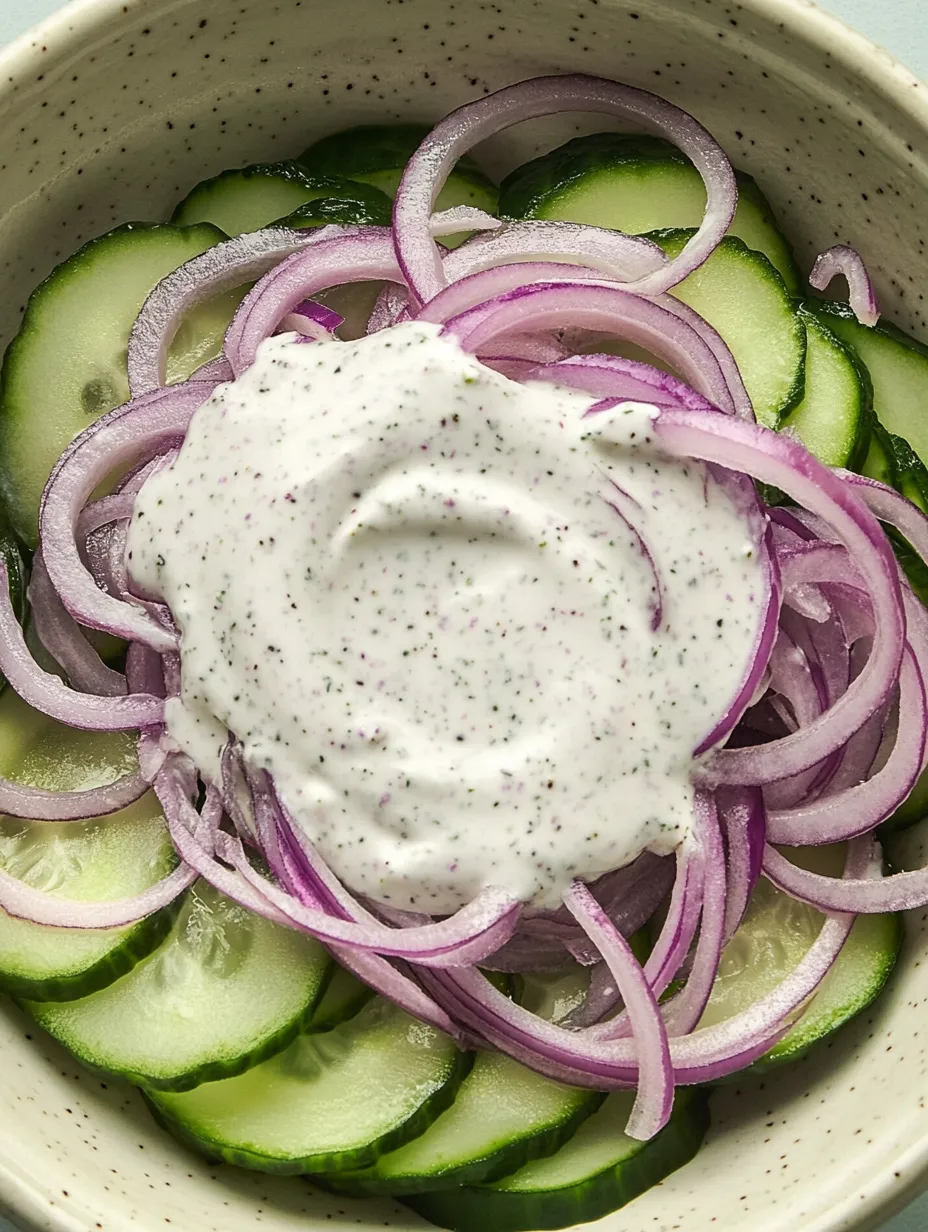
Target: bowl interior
[111,112]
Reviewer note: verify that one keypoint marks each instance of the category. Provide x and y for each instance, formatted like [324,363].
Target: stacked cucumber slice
[250,1043]
[286,193]
[774,937]
[742,296]
[91,861]
[599,1170]
[637,184]
[377,154]
[224,990]
[332,1101]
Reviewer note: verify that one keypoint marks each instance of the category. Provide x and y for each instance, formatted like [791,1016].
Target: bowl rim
[891,1187]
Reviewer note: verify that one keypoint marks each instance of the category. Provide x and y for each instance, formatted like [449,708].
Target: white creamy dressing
[416,592]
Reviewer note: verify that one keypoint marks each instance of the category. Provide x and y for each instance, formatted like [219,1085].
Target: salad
[466,646]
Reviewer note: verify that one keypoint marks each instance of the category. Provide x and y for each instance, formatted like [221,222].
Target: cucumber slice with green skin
[226,990]
[67,365]
[503,1116]
[879,462]
[834,417]
[87,861]
[343,998]
[377,154]
[898,367]
[911,476]
[371,208]
[248,198]
[775,935]
[329,1102]
[554,995]
[892,461]
[637,184]
[739,292]
[599,1170]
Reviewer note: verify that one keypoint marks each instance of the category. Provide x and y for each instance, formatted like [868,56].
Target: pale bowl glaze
[110,112]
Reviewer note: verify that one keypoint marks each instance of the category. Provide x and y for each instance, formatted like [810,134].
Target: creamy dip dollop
[424,598]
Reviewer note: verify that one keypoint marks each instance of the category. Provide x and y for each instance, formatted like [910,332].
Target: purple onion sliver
[751,449]
[64,640]
[222,268]
[458,132]
[145,427]
[654,1099]
[359,256]
[47,693]
[846,261]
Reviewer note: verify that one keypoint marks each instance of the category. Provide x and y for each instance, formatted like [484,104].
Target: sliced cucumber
[740,293]
[775,935]
[87,861]
[249,198]
[599,1170]
[909,472]
[330,1102]
[553,995]
[834,417]
[369,208]
[343,998]
[377,154]
[879,463]
[898,367]
[226,990]
[503,1116]
[67,365]
[636,184]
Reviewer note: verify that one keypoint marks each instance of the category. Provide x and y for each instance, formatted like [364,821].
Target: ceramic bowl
[111,111]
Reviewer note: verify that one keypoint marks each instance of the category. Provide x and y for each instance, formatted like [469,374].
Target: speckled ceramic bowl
[112,110]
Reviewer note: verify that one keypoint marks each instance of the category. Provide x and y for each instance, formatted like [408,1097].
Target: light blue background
[900,25]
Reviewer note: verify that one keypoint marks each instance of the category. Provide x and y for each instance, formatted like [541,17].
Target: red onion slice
[222,268]
[847,262]
[654,1098]
[312,321]
[359,256]
[390,305]
[858,809]
[430,166]
[752,449]
[377,972]
[684,1010]
[606,254]
[62,637]
[744,825]
[898,892]
[51,696]
[35,804]
[20,900]
[595,306]
[146,426]
[612,376]
[462,218]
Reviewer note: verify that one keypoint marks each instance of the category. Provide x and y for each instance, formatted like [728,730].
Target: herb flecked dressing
[474,629]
